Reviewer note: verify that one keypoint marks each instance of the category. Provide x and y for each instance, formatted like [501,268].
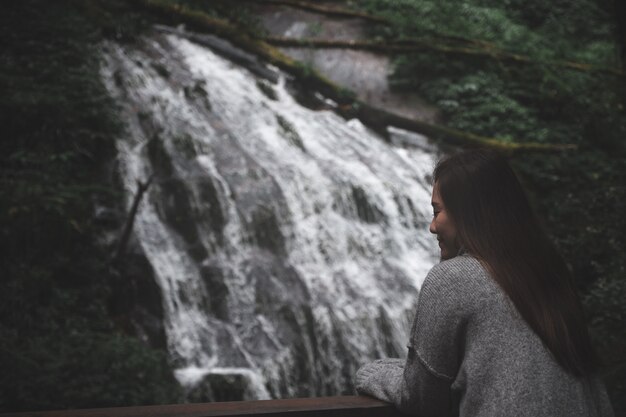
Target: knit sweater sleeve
[420,385]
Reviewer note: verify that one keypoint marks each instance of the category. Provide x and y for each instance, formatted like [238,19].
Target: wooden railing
[348,406]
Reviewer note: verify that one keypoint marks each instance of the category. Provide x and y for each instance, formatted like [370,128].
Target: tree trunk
[315,7]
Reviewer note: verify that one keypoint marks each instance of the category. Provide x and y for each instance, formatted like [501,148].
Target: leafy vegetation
[59,346]
[580,195]
[224,10]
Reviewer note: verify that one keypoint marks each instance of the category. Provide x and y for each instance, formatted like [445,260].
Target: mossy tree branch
[413,45]
[478,47]
[316,7]
[381,118]
[348,104]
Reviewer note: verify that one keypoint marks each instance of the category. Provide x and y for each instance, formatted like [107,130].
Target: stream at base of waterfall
[289,244]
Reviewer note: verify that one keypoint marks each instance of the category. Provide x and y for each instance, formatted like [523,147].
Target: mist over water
[289,244]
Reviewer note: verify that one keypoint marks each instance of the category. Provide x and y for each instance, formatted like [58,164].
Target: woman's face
[443,227]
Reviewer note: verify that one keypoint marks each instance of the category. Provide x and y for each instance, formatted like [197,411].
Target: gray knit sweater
[471,354]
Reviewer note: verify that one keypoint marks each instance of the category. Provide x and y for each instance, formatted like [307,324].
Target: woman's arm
[409,385]
[422,384]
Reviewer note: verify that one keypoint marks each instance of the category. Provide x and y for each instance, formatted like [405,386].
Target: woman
[499,330]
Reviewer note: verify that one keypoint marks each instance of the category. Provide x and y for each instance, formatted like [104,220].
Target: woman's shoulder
[460,270]
[453,296]
[462,279]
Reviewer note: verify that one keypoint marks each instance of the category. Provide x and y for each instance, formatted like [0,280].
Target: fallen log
[322,9]
[378,118]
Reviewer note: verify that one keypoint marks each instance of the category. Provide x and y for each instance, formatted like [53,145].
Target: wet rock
[387,334]
[159,158]
[276,283]
[366,210]
[219,387]
[176,210]
[266,230]
[344,67]
[216,300]
[211,209]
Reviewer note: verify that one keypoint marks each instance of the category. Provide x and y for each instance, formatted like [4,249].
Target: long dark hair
[495,223]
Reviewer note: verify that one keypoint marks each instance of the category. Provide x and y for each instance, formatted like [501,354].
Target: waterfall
[289,243]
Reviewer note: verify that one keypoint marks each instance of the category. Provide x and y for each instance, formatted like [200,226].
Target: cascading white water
[289,243]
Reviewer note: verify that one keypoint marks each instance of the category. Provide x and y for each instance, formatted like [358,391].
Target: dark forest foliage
[59,347]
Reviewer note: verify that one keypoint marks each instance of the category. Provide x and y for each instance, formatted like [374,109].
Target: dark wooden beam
[346,406]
